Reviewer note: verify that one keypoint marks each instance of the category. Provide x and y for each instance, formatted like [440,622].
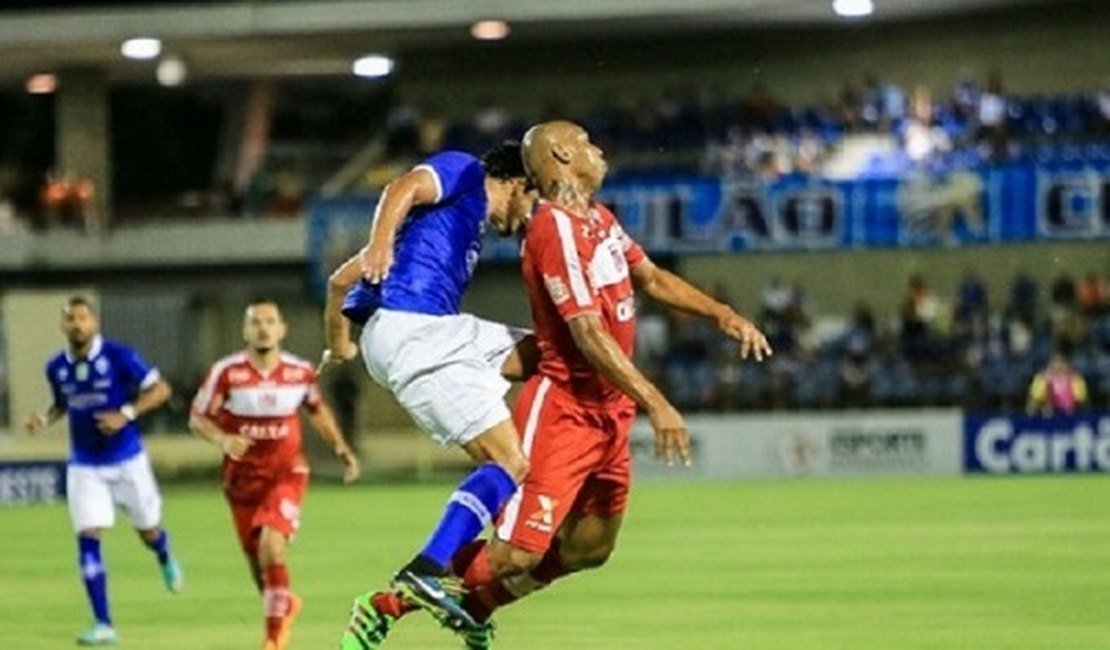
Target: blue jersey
[111,376]
[437,246]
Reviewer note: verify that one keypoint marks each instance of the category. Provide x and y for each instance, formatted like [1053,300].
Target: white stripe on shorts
[512,509]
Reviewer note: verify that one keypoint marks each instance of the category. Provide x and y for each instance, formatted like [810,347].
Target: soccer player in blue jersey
[104,387]
[449,370]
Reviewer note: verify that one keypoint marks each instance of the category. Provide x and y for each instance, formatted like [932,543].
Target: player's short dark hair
[78,301]
[263,300]
[504,161]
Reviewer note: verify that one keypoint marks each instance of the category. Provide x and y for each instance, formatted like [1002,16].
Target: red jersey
[243,400]
[573,265]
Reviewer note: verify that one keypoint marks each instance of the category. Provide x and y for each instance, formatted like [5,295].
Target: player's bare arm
[232,446]
[602,351]
[336,327]
[36,421]
[154,396]
[416,187]
[323,420]
[671,290]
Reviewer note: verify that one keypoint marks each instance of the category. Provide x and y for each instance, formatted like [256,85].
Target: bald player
[580,269]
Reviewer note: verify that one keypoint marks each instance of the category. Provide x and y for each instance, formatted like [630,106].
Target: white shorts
[94,491]
[444,370]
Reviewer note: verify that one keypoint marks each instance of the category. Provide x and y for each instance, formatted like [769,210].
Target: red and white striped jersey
[573,265]
[263,406]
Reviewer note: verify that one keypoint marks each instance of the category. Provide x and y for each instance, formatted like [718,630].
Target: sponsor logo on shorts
[290,512]
[543,519]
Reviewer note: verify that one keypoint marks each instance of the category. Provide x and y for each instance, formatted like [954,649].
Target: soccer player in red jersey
[579,268]
[249,407]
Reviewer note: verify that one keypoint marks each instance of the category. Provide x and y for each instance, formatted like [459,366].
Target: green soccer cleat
[99,634]
[438,596]
[367,628]
[173,576]
[478,639]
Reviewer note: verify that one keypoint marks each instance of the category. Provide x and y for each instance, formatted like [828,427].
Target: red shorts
[265,501]
[580,458]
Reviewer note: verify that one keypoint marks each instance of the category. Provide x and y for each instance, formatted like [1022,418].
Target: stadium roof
[302,37]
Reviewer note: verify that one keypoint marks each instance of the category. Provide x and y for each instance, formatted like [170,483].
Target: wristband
[128,411]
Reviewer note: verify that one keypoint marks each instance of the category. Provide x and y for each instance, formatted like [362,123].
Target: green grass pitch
[832,564]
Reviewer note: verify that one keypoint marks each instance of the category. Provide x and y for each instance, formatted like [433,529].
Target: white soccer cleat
[100,634]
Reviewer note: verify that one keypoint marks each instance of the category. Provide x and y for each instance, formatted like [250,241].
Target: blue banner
[26,482]
[1013,203]
[698,214]
[1000,444]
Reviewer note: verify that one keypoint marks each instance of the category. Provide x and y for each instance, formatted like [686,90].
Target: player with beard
[103,387]
[249,407]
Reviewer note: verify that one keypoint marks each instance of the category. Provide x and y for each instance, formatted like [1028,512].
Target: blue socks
[471,508]
[160,546]
[95,577]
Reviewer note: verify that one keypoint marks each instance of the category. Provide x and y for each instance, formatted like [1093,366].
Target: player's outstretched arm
[603,352]
[324,422]
[336,327]
[671,290]
[416,187]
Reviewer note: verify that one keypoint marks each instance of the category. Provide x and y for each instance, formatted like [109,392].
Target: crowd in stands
[752,137]
[757,135]
[961,350]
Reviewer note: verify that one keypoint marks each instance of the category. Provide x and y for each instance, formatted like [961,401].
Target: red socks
[388,602]
[275,598]
[485,593]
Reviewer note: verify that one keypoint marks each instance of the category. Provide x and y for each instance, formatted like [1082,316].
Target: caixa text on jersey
[264,431]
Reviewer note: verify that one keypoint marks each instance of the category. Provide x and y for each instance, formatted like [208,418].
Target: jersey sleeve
[312,397]
[455,173]
[136,371]
[634,254]
[211,394]
[55,388]
[552,246]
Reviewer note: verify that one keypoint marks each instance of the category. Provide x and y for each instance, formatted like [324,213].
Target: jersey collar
[94,350]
